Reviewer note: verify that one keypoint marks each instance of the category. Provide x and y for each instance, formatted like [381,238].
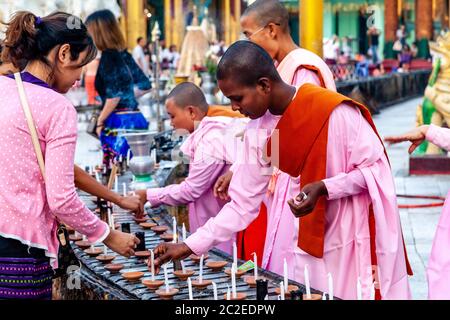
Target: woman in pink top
[30,207]
[438,271]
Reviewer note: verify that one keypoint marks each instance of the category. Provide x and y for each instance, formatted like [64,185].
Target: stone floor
[419,225]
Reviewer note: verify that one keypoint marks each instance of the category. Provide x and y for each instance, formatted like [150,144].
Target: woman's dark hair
[30,38]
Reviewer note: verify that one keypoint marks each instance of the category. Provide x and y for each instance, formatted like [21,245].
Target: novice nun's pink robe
[438,271]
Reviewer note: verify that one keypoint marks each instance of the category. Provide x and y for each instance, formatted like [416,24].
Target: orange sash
[222,111]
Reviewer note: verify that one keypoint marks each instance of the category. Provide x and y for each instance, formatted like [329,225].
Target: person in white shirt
[139,56]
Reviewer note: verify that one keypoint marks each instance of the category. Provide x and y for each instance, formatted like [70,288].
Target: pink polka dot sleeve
[62,197]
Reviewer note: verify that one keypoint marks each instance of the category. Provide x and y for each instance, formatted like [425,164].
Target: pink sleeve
[62,197]
[345,185]
[247,189]
[439,136]
[303,76]
[202,177]
[351,136]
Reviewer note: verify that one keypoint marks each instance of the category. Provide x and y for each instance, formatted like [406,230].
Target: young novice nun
[211,148]
[349,222]
[438,271]
[265,22]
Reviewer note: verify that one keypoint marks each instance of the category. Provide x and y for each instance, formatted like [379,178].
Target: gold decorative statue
[436,105]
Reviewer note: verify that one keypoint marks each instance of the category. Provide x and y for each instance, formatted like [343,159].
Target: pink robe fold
[438,270]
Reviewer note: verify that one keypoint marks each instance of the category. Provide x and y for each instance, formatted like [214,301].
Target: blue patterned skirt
[114,146]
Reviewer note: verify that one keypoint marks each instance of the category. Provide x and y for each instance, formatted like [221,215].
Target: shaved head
[245,62]
[268,11]
[188,94]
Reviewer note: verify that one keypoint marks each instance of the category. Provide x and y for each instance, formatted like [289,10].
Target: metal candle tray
[94,273]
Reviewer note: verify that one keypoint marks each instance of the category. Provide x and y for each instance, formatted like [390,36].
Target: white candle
[233,281]
[372,291]
[116,185]
[92,247]
[84,238]
[128,157]
[191,296]
[182,266]
[286,280]
[228,293]
[184,233]
[97,177]
[235,254]
[120,158]
[215,290]
[152,264]
[359,289]
[200,276]
[255,261]
[307,285]
[166,278]
[324,296]
[282,290]
[330,286]
[109,220]
[174,222]
[112,221]
[105,250]
[124,189]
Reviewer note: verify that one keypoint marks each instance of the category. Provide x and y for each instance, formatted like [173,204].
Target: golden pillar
[226,9]
[236,21]
[424,26]
[390,20]
[391,14]
[136,22]
[178,24]
[168,22]
[311,25]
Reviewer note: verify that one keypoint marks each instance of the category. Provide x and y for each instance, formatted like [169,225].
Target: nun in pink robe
[281,237]
[357,174]
[211,148]
[438,271]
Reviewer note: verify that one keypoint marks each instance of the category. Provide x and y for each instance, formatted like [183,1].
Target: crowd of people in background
[339,53]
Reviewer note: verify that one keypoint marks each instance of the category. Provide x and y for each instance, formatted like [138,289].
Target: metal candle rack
[94,272]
